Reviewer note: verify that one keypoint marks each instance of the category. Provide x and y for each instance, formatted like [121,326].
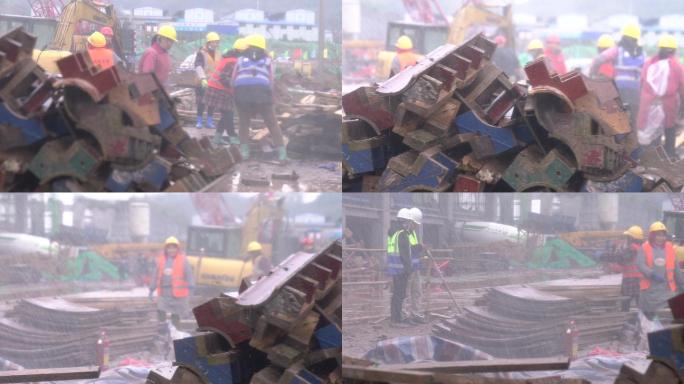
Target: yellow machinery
[674,221]
[67,38]
[471,19]
[216,253]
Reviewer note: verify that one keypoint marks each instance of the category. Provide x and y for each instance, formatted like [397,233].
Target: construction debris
[68,332]
[94,130]
[283,328]
[520,321]
[51,374]
[455,122]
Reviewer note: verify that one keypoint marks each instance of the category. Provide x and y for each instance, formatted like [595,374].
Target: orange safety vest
[179,285]
[406,59]
[215,78]
[102,58]
[209,60]
[670,265]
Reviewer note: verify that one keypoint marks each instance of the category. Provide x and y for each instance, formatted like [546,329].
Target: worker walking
[108,33]
[554,54]
[627,58]
[156,58]
[662,96]
[172,281]
[505,58]
[261,264]
[206,60]
[415,284]
[219,93]
[101,56]
[405,57]
[399,263]
[661,278]
[253,88]
[607,69]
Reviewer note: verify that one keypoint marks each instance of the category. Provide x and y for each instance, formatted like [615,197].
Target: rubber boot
[218,138]
[244,150]
[199,122]
[282,154]
[210,121]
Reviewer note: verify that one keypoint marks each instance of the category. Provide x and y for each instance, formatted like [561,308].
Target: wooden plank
[479,366]
[49,374]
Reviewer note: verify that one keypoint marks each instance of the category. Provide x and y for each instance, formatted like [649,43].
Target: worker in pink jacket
[662,96]
[156,58]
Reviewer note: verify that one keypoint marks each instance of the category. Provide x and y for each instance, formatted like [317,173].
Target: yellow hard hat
[168,31]
[171,240]
[657,226]
[535,44]
[240,44]
[97,40]
[404,42]
[668,41]
[605,41]
[256,40]
[632,30]
[254,246]
[635,232]
[213,36]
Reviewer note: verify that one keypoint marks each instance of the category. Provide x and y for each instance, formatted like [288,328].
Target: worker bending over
[661,279]
[254,95]
[219,94]
[172,281]
[206,59]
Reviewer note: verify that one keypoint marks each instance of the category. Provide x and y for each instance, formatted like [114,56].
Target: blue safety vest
[394,265]
[253,72]
[628,70]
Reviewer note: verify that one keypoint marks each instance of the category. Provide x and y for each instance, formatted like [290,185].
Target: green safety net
[558,254]
[90,266]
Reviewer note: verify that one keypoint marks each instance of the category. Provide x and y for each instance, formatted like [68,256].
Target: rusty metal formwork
[94,130]
[285,327]
[455,122]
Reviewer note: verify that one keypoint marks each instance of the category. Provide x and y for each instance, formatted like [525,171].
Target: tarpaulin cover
[558,254]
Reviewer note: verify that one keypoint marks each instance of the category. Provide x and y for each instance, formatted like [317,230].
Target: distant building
[296,24]
[199,15]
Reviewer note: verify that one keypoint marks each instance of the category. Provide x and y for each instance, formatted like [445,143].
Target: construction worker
[554,54]
[661,278]
[172,281]
[219,93]
[627,58]
[535,48]
[101,56]
[205,64]
[108,33]
[307,245]
[261,264]
[625,259]
[505,58]
[253,89]
[399,263]
[156,58]
[662,96]
[607,69]
[405,56]
[415,284]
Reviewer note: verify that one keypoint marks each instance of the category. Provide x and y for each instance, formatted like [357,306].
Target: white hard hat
[405,214]
[417,215]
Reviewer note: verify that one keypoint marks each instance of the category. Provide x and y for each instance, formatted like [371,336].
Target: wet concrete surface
[257,174]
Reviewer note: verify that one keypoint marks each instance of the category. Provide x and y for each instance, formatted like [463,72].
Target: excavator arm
[474,15]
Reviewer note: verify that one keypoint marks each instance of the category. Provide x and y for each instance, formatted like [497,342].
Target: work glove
[205,83]
[657,278]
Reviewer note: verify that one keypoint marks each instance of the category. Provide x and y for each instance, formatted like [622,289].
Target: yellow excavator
[216,253]
[70,35]
[472,18]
